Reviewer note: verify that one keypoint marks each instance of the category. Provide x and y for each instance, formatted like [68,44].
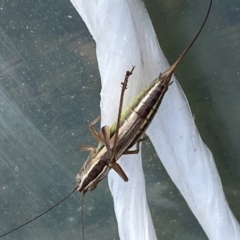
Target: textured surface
[173,133]
[50,89]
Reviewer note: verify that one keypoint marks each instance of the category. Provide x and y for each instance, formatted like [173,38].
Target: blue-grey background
[49,90]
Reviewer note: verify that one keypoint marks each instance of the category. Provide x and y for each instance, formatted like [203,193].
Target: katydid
[118,139]
[128,131]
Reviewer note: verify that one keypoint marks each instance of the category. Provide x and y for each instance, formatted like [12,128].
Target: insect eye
[78,178]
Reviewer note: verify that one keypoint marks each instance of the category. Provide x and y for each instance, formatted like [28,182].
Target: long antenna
[15,229]
[82,216]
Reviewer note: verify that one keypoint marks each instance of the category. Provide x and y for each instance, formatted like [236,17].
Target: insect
[128,130]
[116,140]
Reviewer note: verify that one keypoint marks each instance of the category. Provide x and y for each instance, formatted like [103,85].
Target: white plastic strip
[125,37]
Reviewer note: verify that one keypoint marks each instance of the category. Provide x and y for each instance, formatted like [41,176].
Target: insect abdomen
[146,105]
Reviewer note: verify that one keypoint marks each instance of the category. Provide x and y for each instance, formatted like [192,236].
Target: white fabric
[125,37]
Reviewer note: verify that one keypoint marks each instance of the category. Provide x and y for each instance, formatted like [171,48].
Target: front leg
[91,128]
[94,134]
